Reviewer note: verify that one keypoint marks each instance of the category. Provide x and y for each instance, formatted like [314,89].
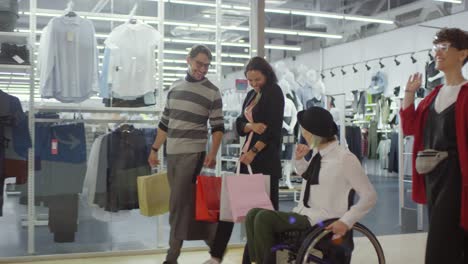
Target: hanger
[131,18]
[69,10]
[126,128]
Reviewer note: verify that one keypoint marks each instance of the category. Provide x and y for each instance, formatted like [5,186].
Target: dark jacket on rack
[413,122]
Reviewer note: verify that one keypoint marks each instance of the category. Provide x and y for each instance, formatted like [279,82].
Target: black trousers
[63,216]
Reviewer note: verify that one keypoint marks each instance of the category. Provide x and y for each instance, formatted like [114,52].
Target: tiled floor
[406,248]
[135,232]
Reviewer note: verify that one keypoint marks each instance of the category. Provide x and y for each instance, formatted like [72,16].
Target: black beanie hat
[317,121]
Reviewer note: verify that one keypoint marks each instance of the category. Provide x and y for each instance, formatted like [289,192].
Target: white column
[160,100]
[219,48]
[257,28]
[31,195]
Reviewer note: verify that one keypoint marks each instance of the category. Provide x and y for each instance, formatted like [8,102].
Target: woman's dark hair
[261,65]
[456,37]
[197,49]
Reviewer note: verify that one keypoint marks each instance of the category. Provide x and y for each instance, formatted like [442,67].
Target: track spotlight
[431,58]
[381,64]
[354,69]
[332,74]
[397,62]
[368,67]
[413,59]
[322,75]
[343,71]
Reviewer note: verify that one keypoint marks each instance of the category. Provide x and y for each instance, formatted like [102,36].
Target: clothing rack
[93,109]
[94,121]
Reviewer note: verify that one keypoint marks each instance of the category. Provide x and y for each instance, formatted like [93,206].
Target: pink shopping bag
[242,192]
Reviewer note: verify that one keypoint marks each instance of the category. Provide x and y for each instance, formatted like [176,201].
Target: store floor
[407,248]
[136,232]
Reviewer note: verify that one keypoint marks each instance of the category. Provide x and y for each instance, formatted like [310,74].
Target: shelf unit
[30,39]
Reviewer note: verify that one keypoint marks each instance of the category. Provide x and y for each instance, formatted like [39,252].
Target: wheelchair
[314,245]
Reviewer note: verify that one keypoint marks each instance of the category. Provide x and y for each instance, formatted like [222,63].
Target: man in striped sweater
[191,103]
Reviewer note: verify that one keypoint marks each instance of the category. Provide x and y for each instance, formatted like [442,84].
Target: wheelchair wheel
[310,251]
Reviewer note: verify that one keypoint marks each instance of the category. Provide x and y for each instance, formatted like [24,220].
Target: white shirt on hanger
[447,96]
[340,171]
[133,61]
[68,60]
[89,185]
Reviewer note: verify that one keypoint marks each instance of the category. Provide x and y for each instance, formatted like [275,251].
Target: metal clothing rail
[87,109]
[94,121]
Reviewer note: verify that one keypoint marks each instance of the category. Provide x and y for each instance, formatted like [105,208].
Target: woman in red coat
[440,123]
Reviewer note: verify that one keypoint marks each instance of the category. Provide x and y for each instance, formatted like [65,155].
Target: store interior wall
[404,40]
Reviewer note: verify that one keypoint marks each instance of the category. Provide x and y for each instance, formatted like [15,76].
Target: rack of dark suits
[61,149]
[116,160]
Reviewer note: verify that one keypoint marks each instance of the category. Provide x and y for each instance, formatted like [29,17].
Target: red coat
[413,121]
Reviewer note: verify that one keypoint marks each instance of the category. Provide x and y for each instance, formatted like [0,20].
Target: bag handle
[238,165]
[208,171]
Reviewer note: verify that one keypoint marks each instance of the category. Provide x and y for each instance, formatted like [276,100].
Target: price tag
[70,36]
[54,147]
[18,59]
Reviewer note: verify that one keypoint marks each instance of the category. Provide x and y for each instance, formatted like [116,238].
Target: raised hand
[414,83]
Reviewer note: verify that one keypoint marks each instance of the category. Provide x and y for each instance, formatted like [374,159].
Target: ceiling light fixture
[343,71]
[431,58]
[397,62]
[193,26]
[283,47]
[413,59]
[331,73]
[368,19]
[381,64]
[300,33]
[354,69]
[451,1]
[322,75]
[316,14]
[368,67]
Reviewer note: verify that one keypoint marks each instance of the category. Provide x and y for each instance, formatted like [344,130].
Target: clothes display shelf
[10,68]
[18,38]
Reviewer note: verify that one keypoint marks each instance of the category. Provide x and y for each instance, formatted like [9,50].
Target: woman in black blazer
[266,102]
[263,152]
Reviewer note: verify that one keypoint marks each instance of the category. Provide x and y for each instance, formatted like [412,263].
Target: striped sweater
[189,107]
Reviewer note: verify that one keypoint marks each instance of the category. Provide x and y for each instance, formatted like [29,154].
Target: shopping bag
[207,198]
[153,194]
[242,192]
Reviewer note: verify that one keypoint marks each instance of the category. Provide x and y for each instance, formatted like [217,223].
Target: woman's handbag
[428,159]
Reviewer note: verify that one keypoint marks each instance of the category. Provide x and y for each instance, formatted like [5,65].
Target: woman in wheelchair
[328,180]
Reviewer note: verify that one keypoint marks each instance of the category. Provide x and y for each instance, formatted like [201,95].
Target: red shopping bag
[207,200]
